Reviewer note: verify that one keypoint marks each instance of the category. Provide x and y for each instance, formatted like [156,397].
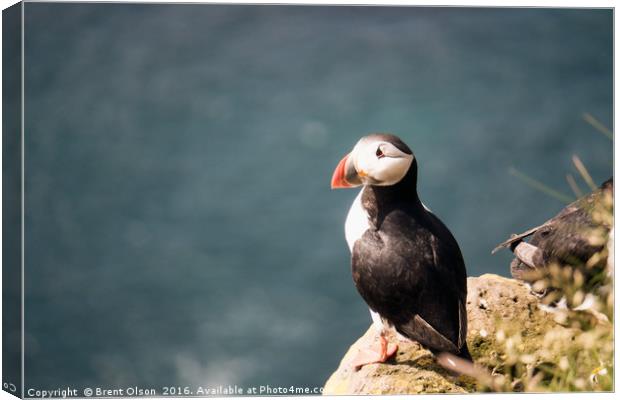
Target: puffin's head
[379,159]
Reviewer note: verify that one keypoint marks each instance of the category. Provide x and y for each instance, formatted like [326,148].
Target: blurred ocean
[180,228]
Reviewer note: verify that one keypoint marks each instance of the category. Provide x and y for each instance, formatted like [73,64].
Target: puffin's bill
[529,254]
[345,175]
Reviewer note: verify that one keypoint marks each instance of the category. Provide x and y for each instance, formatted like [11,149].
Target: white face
[380,163]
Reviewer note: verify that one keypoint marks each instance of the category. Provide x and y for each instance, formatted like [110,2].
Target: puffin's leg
[378,352]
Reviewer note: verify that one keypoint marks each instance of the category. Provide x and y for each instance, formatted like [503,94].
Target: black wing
[412,273]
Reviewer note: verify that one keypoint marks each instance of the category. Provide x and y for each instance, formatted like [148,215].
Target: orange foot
[378,352]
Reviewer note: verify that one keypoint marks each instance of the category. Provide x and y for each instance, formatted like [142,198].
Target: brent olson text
[130,391]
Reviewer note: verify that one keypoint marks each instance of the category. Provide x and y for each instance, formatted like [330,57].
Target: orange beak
[338,180]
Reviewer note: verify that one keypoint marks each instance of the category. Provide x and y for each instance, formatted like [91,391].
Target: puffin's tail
[458,364]
[464,353]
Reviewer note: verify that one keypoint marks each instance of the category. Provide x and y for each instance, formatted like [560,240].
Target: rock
[490,298]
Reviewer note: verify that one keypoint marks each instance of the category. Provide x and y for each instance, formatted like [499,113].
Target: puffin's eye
[379,153]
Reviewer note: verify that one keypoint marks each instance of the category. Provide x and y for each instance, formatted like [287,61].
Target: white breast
[357,221]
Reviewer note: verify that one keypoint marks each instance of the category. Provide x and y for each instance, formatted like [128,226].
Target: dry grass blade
[573,185]
[540,186]
[598,125]
[584,172]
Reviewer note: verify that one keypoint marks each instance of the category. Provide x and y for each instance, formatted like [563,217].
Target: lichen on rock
[492,299]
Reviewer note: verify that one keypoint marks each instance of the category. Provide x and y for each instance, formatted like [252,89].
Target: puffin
[563,239]
[406,264]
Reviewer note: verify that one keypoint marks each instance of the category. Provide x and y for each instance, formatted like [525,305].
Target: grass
[585,175]
[538,185]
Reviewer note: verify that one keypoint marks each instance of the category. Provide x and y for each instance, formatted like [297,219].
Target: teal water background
[180,228]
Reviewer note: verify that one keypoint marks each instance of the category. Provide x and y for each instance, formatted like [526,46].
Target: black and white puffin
[406,264]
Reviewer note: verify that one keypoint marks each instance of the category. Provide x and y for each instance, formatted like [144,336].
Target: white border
[472,3]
